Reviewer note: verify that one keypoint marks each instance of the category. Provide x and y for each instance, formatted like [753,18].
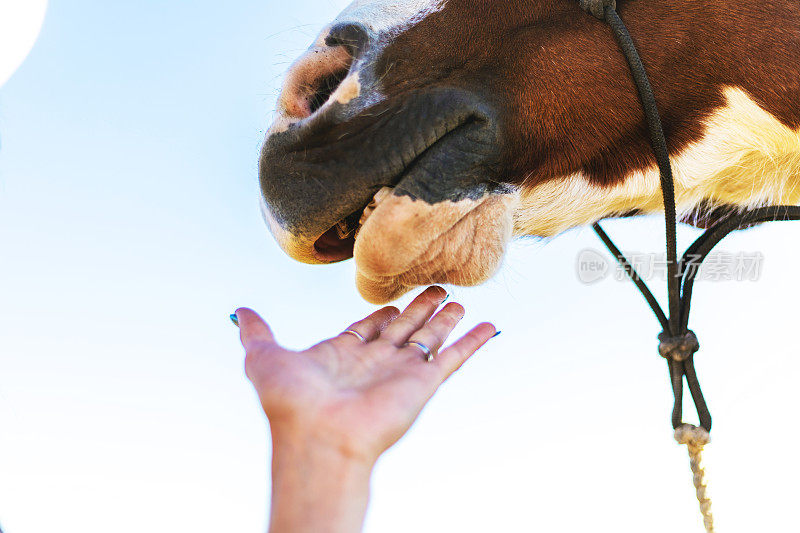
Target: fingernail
[446,297]
[496,334]
[235,319]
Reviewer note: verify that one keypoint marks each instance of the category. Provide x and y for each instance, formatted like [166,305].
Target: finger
[252,329]
[455,355]
[435,333]
[415,316]
[370,327]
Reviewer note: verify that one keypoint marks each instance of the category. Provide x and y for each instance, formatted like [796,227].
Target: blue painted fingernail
[446,297]
[235,319]
[496,334]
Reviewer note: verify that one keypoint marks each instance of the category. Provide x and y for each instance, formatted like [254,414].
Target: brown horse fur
[569,145]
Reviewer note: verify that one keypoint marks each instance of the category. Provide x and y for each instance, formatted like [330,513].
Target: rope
[633,274]
[678,343]
[597,7]
[695,438]
[658,142]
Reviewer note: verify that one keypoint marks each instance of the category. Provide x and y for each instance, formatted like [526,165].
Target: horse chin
[406,242]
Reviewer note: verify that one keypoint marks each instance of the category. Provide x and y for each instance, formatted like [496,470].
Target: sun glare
[20,23]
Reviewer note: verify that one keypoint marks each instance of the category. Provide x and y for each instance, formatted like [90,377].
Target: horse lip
[327,167]
[337,243]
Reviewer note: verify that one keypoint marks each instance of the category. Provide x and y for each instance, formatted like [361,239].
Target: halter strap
[678,343]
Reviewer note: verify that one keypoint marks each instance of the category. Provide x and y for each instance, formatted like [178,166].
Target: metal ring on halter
[426,352]
[355,334]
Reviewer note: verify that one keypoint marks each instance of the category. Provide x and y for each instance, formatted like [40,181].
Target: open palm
[359,396]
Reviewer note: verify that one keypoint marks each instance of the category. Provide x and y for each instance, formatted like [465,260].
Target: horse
[419,137]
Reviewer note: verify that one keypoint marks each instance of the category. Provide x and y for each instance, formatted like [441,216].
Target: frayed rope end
[695,438]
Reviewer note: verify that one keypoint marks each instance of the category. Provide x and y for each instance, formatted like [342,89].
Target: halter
[678,343]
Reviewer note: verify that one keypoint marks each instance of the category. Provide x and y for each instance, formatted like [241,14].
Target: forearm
[317,489]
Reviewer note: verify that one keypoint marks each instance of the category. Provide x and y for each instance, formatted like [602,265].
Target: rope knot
[597,7]
[678,348]
[692,435]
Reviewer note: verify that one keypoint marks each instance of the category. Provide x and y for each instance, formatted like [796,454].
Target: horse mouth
[338,242]
[382,185]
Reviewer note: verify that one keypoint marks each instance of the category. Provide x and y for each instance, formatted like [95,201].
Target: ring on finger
[355,334]
[426,352]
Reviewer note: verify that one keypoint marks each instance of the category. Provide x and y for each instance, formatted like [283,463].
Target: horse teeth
[382,194]
[342,230]
[378,198]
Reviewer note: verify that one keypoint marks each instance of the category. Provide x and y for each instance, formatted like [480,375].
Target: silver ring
[355,334]
[426,352]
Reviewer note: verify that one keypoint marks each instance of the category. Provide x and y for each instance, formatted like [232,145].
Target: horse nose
[317,74]
[356,37]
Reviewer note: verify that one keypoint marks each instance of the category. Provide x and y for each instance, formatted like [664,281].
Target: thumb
[252,328]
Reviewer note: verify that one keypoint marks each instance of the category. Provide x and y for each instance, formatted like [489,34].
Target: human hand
[334,408]
[358,397]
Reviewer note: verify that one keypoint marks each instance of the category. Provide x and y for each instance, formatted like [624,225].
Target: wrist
[317,487]
[321,453]
[323,443]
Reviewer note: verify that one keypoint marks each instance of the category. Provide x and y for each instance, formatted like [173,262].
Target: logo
[591,266]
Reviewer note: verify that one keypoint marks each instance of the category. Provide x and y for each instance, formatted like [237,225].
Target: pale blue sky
[129,230]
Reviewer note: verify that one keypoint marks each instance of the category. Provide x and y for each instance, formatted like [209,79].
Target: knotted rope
[695,438]
[678,343]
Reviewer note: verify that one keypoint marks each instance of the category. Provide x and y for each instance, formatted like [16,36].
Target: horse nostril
[325,86]
[317,75]
[355,37]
